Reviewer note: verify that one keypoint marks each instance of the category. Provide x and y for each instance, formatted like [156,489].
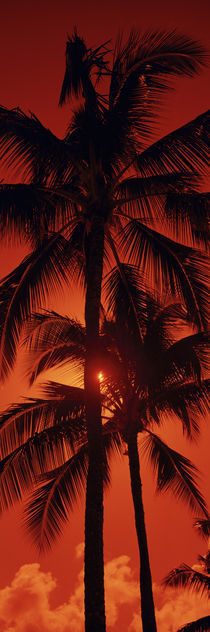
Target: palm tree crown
[101,168]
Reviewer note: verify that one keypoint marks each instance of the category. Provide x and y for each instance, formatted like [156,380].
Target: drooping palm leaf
[145,197]
[32,210]
[186,577]
[200,625]
[25,142]
[169,265]
[49,506]
[141,73]
[174,472]
[186,401]
[21,422]
[203,527]
[184,149]
[117,282]
[188,213]
[54,340]
[185,358]
[46,450]
[26,288]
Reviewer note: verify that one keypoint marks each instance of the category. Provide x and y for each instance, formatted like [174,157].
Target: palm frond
[26,143]
[145,197]
[53,340]
[184,149]
[22,421]
[174,472]
[186,358]
[187,401]
[31,210]
[49,506]
[46,450]
[125,293]
[26,288]
[170,265]
[46,327]
[203,527]
[157,53]
[188,214]
[186,577]
[200,625]
[142,71]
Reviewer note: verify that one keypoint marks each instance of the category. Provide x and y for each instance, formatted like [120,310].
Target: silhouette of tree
[99,187]
[143,378]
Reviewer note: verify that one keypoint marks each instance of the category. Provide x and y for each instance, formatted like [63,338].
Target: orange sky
[32,46]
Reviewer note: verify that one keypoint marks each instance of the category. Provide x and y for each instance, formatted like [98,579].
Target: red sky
[32,43]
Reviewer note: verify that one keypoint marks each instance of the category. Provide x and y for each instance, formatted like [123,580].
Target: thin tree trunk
[146,595]
[94,563]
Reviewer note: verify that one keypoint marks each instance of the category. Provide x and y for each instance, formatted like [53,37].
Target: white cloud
[25,607]
[25,603]
[177,608]
[121,587]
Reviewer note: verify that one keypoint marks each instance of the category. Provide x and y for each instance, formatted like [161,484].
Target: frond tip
[48,507]
[200,625]
[174,472]
[187,577]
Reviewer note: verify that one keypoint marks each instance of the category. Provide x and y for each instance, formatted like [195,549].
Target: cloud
[25,605]
[177,607]
[121,587]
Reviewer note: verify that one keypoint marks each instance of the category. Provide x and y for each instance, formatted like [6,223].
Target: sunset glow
[92,178]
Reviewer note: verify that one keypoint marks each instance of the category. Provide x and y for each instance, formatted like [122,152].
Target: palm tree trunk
[94,563]
[146,596]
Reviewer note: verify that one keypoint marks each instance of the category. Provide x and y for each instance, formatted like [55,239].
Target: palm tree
[133,401]
[101,180]
[198,580]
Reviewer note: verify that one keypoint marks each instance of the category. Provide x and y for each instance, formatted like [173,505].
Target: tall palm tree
[197,580]
[101,180]
[132,398]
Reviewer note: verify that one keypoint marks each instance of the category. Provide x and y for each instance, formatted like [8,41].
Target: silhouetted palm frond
[187,401]
[168,264]
[174,472]
[49,506]
[142,70]
[187,357]
[186,577]
[26,288]
[26,143]
[184,149]
[188,215]
[203,527]
[145,198]
[31,210]
[23,421]
[53,340]
[123,287]
[200,625]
